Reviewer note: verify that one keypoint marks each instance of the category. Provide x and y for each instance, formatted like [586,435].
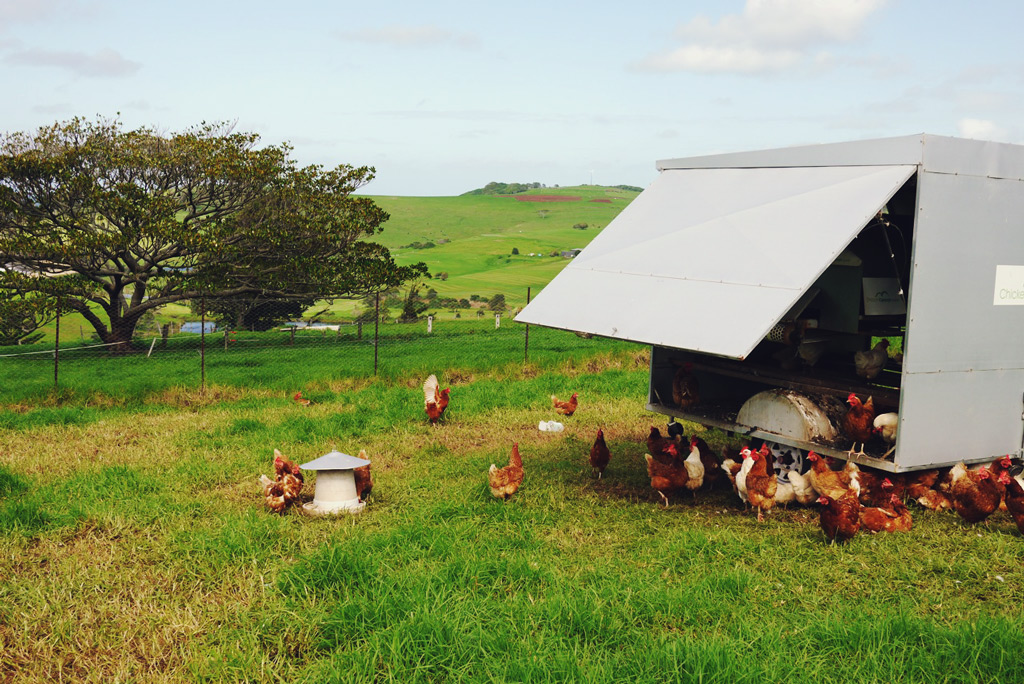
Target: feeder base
[351,507]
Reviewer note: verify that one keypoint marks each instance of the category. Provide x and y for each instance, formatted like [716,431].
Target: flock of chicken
[851,499]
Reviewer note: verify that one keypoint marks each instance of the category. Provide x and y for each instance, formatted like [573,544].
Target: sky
[444,97]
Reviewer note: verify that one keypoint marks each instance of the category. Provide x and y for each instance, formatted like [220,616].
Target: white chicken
[868,364]
[741,476]
[885,426]
[803,492]
[694,469]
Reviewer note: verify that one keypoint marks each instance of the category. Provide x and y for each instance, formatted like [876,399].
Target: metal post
[526,346]
[430,324]
[56,350]
[376,335]
[202,343]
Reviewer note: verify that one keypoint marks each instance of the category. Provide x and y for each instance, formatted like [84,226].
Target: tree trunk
[119,337]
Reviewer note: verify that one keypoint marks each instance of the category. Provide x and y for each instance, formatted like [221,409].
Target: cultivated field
[134,546]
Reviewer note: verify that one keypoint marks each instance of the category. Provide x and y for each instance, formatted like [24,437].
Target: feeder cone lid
[335,461]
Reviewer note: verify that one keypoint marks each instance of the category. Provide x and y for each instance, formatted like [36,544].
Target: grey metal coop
[727,260]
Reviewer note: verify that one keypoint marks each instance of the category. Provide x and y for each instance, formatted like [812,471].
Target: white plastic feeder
[335,490]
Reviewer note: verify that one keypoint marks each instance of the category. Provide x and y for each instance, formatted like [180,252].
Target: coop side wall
[963,372]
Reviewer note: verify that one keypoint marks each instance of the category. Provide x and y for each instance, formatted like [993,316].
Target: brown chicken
[1015,502]
[282,491]
[666,477]
[859,422]
[685,388]
[364,481]
[662,449]
[565,408]
[975,493]
[832,483]
[893,517]
[713,473]
[299,399]
[599,454]
[840,518]
[505,481]
[761,486]
[435,401]
[996,469]
[876,488]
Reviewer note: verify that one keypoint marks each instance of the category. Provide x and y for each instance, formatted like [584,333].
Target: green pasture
[135,546]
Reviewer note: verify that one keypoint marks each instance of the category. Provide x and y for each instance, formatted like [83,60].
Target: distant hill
[494,188]
[473,235]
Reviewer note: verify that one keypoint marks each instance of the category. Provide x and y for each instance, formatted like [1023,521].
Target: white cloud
[413,36]
[981,129]
[768,35]
[104,63]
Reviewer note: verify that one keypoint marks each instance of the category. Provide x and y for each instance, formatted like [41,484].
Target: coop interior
[792,389]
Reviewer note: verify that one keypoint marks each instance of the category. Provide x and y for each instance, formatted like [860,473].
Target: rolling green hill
[475,234]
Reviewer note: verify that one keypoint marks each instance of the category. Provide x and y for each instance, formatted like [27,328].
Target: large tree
[118,223]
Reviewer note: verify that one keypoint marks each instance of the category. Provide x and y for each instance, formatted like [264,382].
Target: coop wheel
[786,459]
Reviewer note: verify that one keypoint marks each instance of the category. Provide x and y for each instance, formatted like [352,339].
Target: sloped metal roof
[709,259]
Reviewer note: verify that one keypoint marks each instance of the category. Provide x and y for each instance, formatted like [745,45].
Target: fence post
[56,351]
[526,346]
[202,343]
[376,334]
[359,330]
[497,321]
[430,324]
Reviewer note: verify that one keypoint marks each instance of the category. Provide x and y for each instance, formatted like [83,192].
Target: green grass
[134,546]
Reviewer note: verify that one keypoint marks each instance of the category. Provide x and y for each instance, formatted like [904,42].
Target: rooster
[868,364]
[364,482]
[685,388]
[299,399]
[975,493]
[505,481]
[761,487]
[840,518]
[565,408]
[858,422]
[666,477]
[885,425]
[434,401]
[599,454]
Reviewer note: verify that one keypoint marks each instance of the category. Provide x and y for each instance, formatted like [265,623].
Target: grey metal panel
[972,157]
[966,227]
[880,152]
[946,418]
[702,246]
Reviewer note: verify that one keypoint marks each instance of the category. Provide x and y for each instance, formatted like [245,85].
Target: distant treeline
[494,188]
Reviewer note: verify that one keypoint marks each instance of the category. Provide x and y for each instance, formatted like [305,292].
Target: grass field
[134,546]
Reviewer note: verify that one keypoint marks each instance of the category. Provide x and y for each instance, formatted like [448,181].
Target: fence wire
[286,356]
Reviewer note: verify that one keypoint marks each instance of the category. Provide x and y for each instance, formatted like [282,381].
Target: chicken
[565,408]
[996,469]
[282,491]
[840,518]
[893,517]
[505,481]
[761,486]
[852,475]
[685,388]
[1015,502]
[885,425]
[975,493]
[713,475]
[858,422]
[919,487]
[675,431]
[666,477]
[875,490]
[826,481]
[868,364]
[731,469]
[803,492]
[435,402]
[364,482]
[694,468]
[661,449]
[299,399]
[599,454]
[741,476]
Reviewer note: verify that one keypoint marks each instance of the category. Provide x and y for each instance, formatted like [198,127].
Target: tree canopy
[116,223]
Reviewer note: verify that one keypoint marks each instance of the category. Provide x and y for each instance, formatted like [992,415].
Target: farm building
[764,272]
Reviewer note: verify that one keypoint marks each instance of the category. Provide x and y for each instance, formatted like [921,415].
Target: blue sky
[444,97]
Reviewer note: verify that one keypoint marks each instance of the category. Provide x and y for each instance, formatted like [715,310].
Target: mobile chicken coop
[764,272]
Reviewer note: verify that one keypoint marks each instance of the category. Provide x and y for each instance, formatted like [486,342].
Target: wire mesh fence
[286,356]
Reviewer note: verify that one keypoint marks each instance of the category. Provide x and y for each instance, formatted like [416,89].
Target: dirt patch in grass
[601,199]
